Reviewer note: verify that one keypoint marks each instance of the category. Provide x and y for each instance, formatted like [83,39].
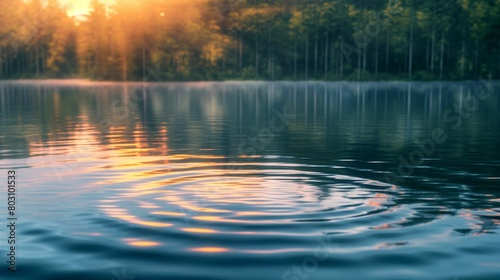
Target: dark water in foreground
[252,181]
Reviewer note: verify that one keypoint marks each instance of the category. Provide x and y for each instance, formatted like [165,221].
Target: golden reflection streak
[190,156]
[384,226]
[250,213]
[378,200]
[192,207]
[181,176]
[209,250]
[206,168]
[220,219]
[122,214]
[478,222]
[199,230]
[140,243]
[153,224]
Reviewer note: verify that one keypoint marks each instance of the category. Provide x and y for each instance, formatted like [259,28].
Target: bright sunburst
[80,7]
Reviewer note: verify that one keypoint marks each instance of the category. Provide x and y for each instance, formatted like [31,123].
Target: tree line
[167,40]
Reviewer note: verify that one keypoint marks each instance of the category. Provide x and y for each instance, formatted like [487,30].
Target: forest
[172,40]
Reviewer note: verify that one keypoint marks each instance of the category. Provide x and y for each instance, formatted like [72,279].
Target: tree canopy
[252,39]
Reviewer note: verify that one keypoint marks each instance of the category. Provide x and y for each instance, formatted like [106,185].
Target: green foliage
[252,39]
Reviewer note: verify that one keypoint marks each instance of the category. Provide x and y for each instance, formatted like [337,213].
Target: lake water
[252,180]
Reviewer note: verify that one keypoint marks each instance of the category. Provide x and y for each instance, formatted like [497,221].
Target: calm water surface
[253,180]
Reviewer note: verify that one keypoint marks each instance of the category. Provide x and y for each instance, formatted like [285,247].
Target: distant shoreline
[85,82]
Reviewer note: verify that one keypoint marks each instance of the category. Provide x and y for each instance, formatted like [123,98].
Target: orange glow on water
[153,224]
[210,250]
[250,213]
[122,214]
[201,209]
[140,243]
[199,230]
[378,200]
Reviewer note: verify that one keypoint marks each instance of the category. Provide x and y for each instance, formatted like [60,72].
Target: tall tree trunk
[359,66]
[44,60]
[498,58]
[272,63]
[18,60]
[33,56]
[398,60]
[316,55]
[462,62]
[326,55]
[10,72]
[295,59]
[387,54]
[241,55]
[307,54]
[364,61]
[236,56]
[410,58]
[341,58]
[6,62]
[442,57]
[37,58]
[124,61]
[332,62]
[427,54]
[26,61]
[143,58]
[406,56]
[476,56]
[376,57]
[257,56]
[96,58]
[269,53]
[448,56]
[1,62]
[433,36]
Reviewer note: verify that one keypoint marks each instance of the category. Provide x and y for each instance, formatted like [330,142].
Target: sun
[77,8]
